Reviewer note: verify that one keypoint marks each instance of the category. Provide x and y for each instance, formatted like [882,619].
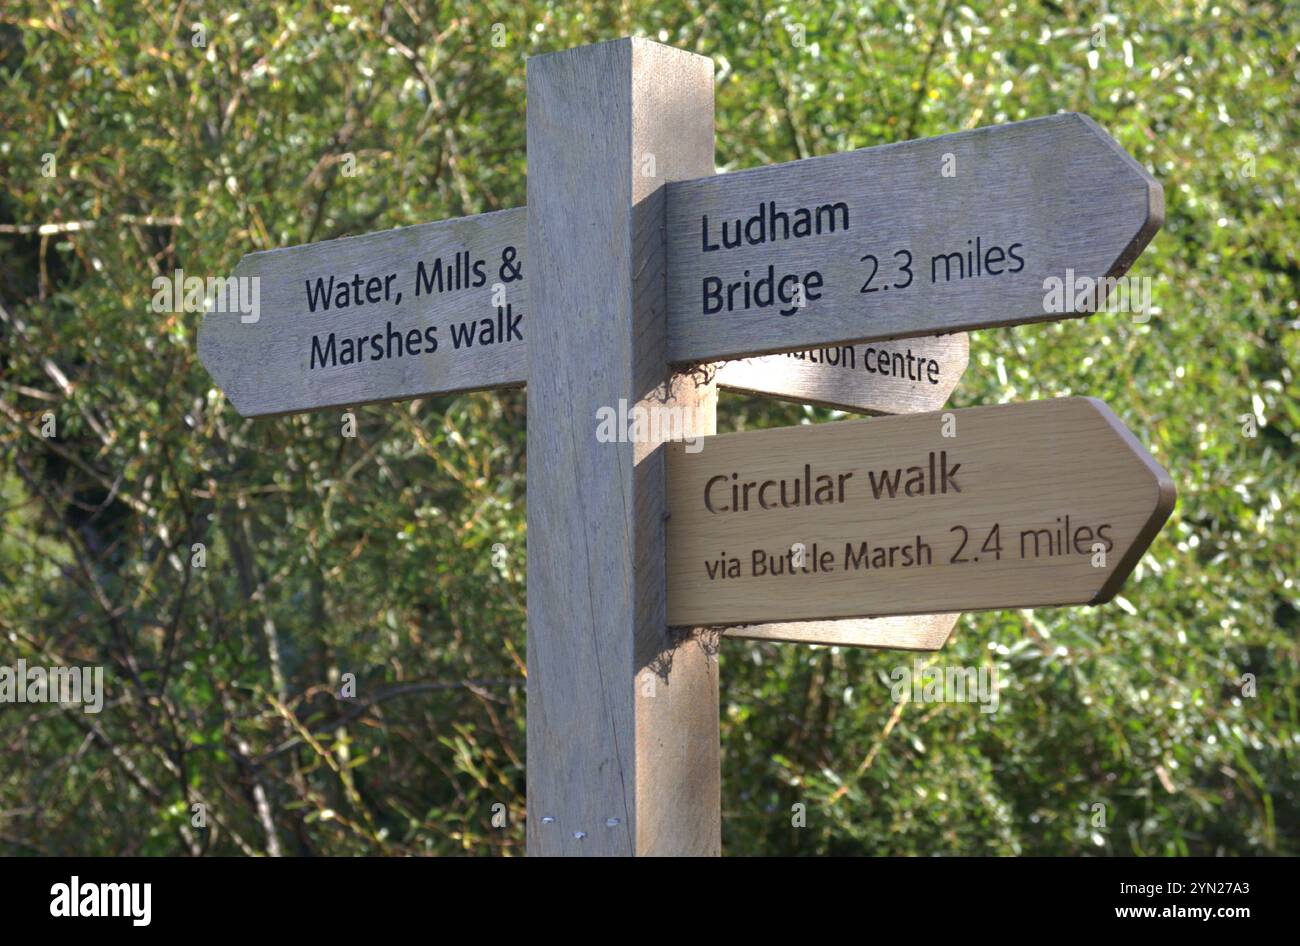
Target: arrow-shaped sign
[921,237]
[1019,505]
[404,313]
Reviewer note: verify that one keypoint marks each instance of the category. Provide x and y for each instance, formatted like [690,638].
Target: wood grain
[266,367]
[1023,468]
[1058,188]
[890,377]
[623,754]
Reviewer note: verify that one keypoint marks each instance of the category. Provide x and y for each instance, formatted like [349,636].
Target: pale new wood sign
[899,377]
[1020,505]
[429,309]
[921,237]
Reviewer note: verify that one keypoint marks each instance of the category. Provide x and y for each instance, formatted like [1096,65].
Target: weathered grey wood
[892,377]
[1060,188]
[1054,478]
[910,632]
[266,367]
[623,751]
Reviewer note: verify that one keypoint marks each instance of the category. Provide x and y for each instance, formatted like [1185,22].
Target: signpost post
[633,270]
[623,754]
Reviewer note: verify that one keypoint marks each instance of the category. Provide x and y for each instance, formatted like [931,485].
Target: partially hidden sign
[1018,505]
[894,377]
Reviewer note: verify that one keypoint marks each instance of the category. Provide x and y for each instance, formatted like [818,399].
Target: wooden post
[623,751]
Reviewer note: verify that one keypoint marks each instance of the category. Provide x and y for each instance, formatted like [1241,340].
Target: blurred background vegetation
[373,556]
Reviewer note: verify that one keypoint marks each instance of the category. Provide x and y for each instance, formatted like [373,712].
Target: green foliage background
[373,556]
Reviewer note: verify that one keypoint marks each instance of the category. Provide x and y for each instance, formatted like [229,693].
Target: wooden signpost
[632,266]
